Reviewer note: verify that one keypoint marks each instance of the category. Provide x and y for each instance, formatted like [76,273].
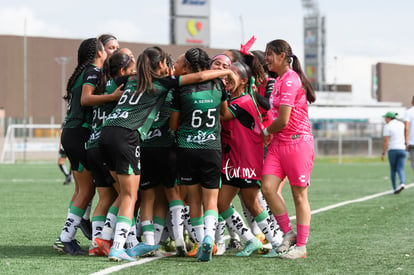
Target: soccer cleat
[214,252]
[86,227]
[234,244]
[95,250]
[180,248]
[180,251]
[251,246]
[119,255]
[221,248]
[206,250]
[193,251]
[104,245]
[295,252]
[289,239]
[71,248]
[141,249]
[272,253]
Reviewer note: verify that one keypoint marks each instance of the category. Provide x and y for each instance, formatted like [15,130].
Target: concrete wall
[395,83]
[44,80]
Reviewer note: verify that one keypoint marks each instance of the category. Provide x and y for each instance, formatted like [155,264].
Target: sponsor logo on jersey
[202,137]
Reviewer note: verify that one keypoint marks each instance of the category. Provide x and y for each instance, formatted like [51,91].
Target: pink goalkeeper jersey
[288,91]
[242,147]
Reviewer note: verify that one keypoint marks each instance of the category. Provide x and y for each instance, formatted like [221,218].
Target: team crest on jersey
[202,137]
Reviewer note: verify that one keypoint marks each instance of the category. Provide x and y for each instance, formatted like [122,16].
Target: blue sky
[359,33]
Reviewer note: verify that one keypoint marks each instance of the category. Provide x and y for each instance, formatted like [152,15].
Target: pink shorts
[292,160]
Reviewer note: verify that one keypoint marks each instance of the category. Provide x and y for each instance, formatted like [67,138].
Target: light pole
[63,60]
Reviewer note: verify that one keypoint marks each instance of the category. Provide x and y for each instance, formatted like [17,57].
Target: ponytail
[147,66]
[86,54]
[279,46]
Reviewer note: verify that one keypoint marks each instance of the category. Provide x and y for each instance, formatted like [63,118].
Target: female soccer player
[242,160]
[110,43]
[291,151]
[76,131]
[128,125]
[199,150]
[120,67]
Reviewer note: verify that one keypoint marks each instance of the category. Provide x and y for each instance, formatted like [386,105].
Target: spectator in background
[394,142]
[409,132]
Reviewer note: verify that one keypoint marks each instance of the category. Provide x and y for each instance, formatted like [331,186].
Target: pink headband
[223,56]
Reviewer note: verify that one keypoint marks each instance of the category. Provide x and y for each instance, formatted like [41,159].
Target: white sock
[69,229]
[210,223]
[236,223]
[131,239]
[97,227]
[177,220]
[148,232]
[109,227]
[123,226]
[87,213]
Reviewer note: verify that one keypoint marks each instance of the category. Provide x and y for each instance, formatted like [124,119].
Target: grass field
[375,236]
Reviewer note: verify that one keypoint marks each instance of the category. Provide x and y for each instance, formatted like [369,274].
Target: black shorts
[199,166]
[120,150]
[100,172]
[73,142]
[158,166]
[239,183]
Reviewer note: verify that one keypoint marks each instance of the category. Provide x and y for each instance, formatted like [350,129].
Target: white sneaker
[295,252]
[289,239]
[221,248]
[397,191]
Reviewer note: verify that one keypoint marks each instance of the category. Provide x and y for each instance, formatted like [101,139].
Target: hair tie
[108,39]
[293,56]
[241,68]
[244,49]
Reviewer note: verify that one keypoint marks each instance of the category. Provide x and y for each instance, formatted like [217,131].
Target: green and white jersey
[78,115]
[199,107]
[101,112]
[159,134]
[137,111]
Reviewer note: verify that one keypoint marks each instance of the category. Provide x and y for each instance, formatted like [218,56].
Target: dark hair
[246,72]
[117,62]
[237,55]
[257,69]
[86,54]
[111,68]
[105,38]
[279,46]
[147,65]
[197,59]
[260,56]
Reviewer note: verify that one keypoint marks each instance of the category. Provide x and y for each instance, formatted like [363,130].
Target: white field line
[116,268]
[329,207]
[109,270]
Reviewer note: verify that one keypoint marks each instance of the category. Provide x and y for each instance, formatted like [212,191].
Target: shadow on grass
[13,251]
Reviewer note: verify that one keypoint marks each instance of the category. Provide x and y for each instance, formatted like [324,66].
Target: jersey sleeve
[222,88]
[269,87]
[175,101]
[236,110]
[170,82]
[289,89]
[92,76]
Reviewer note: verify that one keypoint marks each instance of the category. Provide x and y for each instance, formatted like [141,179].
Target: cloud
[12,21]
